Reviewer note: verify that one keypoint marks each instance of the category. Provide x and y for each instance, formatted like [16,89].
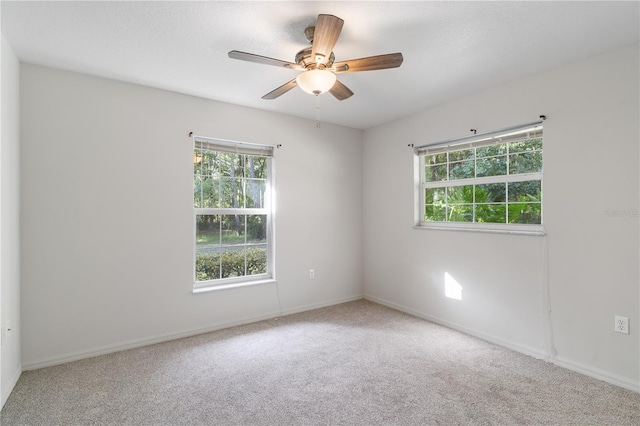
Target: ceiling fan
[317,62]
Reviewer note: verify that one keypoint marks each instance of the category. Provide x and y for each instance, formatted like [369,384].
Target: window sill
[531,230]
[233,285]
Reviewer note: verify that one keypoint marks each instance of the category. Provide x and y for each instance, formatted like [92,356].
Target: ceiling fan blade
[325,36]
[250,57]
[340,91]
[379,62]
[281,90]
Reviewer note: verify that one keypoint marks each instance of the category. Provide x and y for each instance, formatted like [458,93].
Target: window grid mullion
[522,177]
[218,168]
[507,159]
[220,245]
[506,187]
[506,199]
[246,272]
[473,204]
[422,200]
[446,198]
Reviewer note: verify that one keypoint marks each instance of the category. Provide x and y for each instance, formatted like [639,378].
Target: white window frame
[221,145]
[510,134]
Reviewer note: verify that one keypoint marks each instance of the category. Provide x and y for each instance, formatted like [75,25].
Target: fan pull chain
[317,111]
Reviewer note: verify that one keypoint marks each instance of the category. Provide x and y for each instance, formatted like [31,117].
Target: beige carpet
[356,363]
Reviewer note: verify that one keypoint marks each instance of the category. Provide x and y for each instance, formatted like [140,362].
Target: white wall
[586,267]
[10,364]
[107,215]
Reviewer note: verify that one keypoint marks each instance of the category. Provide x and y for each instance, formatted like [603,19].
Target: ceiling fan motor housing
[304,58]
[308,33]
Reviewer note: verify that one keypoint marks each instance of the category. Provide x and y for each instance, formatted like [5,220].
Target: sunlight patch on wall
[452,289]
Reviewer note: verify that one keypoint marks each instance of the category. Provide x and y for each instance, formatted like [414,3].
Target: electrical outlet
[621,325]
[312,274]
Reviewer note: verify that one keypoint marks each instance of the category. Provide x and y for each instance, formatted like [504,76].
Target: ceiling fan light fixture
[317,62]
[316,81]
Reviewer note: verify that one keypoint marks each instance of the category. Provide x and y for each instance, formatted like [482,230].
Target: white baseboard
[6,391]
[332,302]
[559,361]
[137,343]
[596,373]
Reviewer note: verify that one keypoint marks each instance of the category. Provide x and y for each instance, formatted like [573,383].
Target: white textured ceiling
[450,48]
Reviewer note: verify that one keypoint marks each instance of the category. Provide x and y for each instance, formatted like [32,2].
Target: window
[485,182]
[232,184]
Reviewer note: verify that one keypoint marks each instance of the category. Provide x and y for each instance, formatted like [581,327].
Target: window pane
[461,170]
[464,154]
[525,213]
[526,145]
[435,213]
[492,150]
[491,213]
[256,167]
[232,229]
[255,189]
[527,191]
[207,247]
[208,192]
[197,161]
[491,193]
[434,195]
[207,231]
[525,162]
[460,213]
[256,260]
[205,181]
[435,159]
[232,193]
[230,165]
[233,262]
[207,265]
[460,194]
[256,253]
[197,192]
[492,166]
[209,163]
[257,229]
[233,249]
[435,173]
